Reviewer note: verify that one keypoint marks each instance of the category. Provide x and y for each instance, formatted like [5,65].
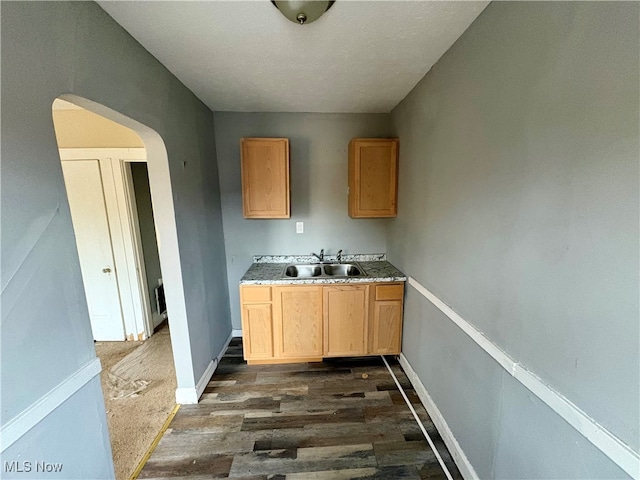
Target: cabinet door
[265,177]
[257,331]
[386,327]
[373,177]
[345,320]
[298,331]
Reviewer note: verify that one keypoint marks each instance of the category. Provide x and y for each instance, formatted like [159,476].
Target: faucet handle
[339,255]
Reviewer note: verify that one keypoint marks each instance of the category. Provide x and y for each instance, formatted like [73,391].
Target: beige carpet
[139,385]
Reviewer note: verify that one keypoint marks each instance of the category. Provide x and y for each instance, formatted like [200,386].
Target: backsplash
[351,257]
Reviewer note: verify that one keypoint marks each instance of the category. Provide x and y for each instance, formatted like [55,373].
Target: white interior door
[85,191]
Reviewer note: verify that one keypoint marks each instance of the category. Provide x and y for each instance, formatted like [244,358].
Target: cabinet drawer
[255,294]
[389,292]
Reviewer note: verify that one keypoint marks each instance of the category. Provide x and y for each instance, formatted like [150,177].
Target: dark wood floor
[339,419]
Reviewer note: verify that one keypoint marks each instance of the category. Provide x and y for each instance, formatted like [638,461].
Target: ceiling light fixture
[302,12]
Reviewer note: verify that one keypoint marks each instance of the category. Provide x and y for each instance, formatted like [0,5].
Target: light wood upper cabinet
[373,177]
[265,177]
[345,320]
[298,315]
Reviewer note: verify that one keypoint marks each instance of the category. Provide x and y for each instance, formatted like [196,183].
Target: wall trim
[236,333]
[186,396]
[614,448]
[191,395]
[18,426]
[462,462]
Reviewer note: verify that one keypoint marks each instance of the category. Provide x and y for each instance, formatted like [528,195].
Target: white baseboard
[191,395]
[186,396]
[458,455]
[224,349]
[236,333]
[614,448]
[35,413]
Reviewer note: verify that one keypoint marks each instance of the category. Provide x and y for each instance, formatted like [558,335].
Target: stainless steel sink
[303,271]
[323,270]
[342,270]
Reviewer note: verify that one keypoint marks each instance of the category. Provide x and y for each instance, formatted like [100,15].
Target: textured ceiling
[359,56]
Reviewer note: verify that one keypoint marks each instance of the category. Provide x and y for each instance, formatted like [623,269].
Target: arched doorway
[107,171]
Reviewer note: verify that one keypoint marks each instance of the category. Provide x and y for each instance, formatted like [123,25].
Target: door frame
[125,230]
[134,223]
[166,235]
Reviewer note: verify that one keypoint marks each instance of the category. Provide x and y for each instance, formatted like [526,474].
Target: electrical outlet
[299,227]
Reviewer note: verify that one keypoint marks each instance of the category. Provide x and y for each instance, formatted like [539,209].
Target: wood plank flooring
[335,420]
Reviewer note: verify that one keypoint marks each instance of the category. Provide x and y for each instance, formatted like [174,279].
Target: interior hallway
[139,383]
[343,418]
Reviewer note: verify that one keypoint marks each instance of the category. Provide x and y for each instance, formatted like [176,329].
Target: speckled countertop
[269,269]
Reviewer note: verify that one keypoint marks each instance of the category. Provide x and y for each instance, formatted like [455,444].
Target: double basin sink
[323,270]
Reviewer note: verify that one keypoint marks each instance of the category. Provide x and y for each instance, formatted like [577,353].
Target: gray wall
[518,207]
[49,49]
[147,229]
[69,434]
[318,164]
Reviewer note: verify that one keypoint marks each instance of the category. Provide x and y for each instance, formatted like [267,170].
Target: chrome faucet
[339,256]
[319,257]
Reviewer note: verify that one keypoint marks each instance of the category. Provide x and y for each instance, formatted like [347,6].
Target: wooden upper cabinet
[373,177]
[265,177]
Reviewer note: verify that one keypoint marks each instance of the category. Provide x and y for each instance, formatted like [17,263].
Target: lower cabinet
[345,320]
[385,333]
[294,323]
[257,330]
[257,322]
[298,321]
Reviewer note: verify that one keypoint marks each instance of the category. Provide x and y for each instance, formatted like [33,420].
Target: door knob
[106,270]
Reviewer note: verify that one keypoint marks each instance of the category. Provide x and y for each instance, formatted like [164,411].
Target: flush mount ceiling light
[302,12]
